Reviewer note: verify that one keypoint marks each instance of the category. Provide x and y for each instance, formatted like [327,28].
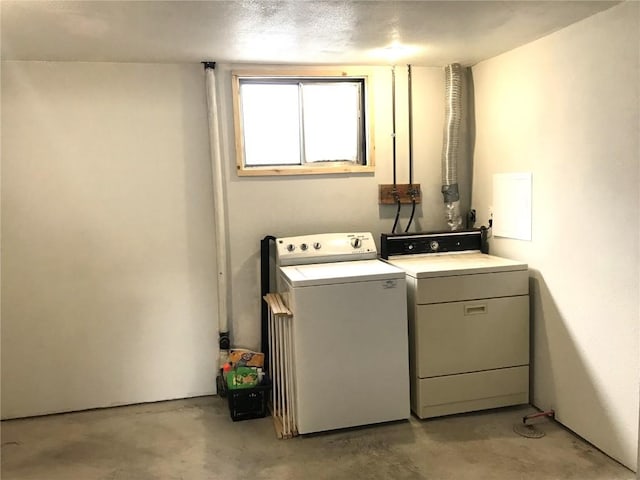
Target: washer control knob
[304,247]
[434,245]
[291,247]
[317,245]
[356,242]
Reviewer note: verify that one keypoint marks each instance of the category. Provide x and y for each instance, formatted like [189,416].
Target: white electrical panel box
[512,205]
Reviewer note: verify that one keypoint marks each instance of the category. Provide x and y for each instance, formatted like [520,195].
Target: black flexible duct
[413,211]
[395,222]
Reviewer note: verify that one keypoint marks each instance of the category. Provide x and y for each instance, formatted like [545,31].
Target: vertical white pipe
[218,205]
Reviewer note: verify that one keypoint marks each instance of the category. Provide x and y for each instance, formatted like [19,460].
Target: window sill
[304,170]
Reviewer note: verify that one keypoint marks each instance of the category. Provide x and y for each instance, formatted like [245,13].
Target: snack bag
[242,377]
[241,357]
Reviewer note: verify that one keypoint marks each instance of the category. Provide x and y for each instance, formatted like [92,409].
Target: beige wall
[108,271]
[566,108]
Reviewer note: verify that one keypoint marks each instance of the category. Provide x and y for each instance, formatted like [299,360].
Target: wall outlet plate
[405,192]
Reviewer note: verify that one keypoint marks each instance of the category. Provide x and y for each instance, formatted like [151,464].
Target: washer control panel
[325,248]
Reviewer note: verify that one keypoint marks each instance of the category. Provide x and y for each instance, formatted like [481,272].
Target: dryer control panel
[433,243]
[325,248]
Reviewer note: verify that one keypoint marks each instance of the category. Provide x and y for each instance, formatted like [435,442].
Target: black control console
[433,242]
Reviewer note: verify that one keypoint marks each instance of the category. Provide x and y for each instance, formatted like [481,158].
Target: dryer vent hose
[451,140]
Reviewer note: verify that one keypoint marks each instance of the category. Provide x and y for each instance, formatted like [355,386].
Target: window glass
[331,121]
[307,124]
[270,124]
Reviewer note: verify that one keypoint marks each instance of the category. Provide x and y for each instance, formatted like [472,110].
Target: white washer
[350,346]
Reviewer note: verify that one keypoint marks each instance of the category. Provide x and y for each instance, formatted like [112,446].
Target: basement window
[301,124]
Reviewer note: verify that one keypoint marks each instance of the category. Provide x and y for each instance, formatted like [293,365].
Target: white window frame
[312,168]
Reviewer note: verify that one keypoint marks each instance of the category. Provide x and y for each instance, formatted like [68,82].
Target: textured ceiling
[282,32]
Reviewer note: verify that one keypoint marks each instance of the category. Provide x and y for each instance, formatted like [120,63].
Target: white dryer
[468,322]
[350,346]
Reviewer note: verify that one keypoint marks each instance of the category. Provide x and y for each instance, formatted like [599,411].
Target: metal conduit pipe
[393,120]
[451,140]
[412,190]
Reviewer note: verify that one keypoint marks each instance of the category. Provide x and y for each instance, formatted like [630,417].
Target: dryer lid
[449,264]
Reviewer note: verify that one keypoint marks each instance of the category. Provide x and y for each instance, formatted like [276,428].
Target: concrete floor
[195,440]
